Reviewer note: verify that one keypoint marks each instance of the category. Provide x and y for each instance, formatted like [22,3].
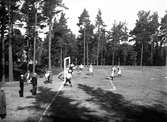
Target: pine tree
[100,26]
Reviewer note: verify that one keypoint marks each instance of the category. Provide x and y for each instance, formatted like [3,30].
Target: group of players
[115,71]
[67,74]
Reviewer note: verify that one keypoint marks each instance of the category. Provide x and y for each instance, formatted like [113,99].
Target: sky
[112,10]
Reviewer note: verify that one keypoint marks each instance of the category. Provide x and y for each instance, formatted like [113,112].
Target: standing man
[21,91]
[34,84]
[2,103]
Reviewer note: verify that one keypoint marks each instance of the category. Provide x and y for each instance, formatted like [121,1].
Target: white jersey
[114,69]
[119,72]
[91,68]
[72,65]
[67,74]
[47,75]
[81,66]
[112,73]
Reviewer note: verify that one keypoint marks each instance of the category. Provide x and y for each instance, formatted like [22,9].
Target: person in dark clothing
[34,84]
[2,104]
[21,91]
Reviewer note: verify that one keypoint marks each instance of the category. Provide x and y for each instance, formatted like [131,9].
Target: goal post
[67,62]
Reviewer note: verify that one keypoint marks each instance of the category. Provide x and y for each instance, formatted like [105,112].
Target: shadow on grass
[163,93]
[63,108]
[122,110]
[67,109]
[47,82]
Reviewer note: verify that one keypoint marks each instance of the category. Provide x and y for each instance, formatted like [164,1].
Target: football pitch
[140,95]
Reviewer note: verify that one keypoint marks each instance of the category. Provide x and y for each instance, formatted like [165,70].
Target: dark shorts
[2,116]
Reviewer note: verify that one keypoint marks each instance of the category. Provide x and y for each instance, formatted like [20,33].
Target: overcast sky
[119,10]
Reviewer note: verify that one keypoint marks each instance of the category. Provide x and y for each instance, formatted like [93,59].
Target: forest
[144,45]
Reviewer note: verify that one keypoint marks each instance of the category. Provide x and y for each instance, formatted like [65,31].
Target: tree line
[145,44]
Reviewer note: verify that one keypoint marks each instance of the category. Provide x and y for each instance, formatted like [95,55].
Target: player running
[66,75]
[112,74]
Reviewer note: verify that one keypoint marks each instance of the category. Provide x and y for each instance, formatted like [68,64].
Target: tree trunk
[87,54]
[10,46]
[65,51]
[151,57]
[50,26]
[84,48]
[101,62]
[98,49]
[35,37]
[61,56]
[166,59]
[124,57]
[3,58]
[27,55]
[97,53]
[119,61]
[113,55]
[76,61]
[141,59]
[10,61]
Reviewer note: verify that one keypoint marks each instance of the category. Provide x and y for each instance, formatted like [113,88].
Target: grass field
[140,96]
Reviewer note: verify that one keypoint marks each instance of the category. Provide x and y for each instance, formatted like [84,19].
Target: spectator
[21,91]
[34,84]
[2,103]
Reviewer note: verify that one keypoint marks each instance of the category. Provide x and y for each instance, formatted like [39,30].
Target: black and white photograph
[83,60]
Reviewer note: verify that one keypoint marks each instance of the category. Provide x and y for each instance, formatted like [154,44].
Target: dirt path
[27,108]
